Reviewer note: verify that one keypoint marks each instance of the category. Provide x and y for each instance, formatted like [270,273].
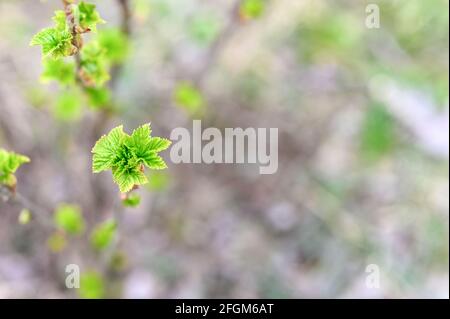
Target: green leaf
[59,70]
[24,216]
[103,234]
[55,43]
[94,69]
[155,162]
[88,16]
[140,140]
[69,218]
[158,144]
[98,97]
[60,20]
[131,200]
[128,178]
[158,180]
[189,97]
[91,285]
[56,242]
[127,155]
[106,149]
[9,163]
[68,106]
[252,9]
[204,29]
[115,44]
[377,133]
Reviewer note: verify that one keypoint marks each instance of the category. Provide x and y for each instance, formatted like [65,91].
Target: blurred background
[363,118]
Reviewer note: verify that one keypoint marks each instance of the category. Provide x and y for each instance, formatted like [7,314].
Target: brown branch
[77,40]
[125,16]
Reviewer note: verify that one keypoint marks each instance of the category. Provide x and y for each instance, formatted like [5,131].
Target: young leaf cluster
[9,163]
[128,155]
[94,59]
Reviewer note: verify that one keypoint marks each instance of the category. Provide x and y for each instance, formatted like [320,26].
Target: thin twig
[219,44]
[7,195]
[125,27]
[77,40]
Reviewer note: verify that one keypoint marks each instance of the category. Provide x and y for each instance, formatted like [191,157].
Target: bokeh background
[363,118]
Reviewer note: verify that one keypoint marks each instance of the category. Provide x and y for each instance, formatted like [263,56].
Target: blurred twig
[7,195]
[219,44]
[125,27]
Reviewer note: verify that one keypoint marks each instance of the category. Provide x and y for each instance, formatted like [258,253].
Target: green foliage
[118,261]
[98,97]
[204,29]
[55,43]
[94,69]
[24,216]
[91,285]
[68,106]
[131,200]
[377,133]
[95,58]
[126,155]
[115,44]
[189,97]
[59,70]
[69,218]
[252,9]
[57,242]
[37,97]
[103,234]
[9,163]
[158,181]
[60,20]
[87,16]
[339,38]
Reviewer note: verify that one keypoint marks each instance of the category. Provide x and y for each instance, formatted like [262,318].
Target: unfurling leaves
[69,219]
[93,61]
[60,20]
[55,43]
[9,163]
[87,16]
[59,70]
[127,155]
[94,68]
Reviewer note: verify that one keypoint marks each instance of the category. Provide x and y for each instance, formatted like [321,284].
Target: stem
[118,212]
[125,16]
[77,40]
[218,45]
[7,195]
[125,27]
